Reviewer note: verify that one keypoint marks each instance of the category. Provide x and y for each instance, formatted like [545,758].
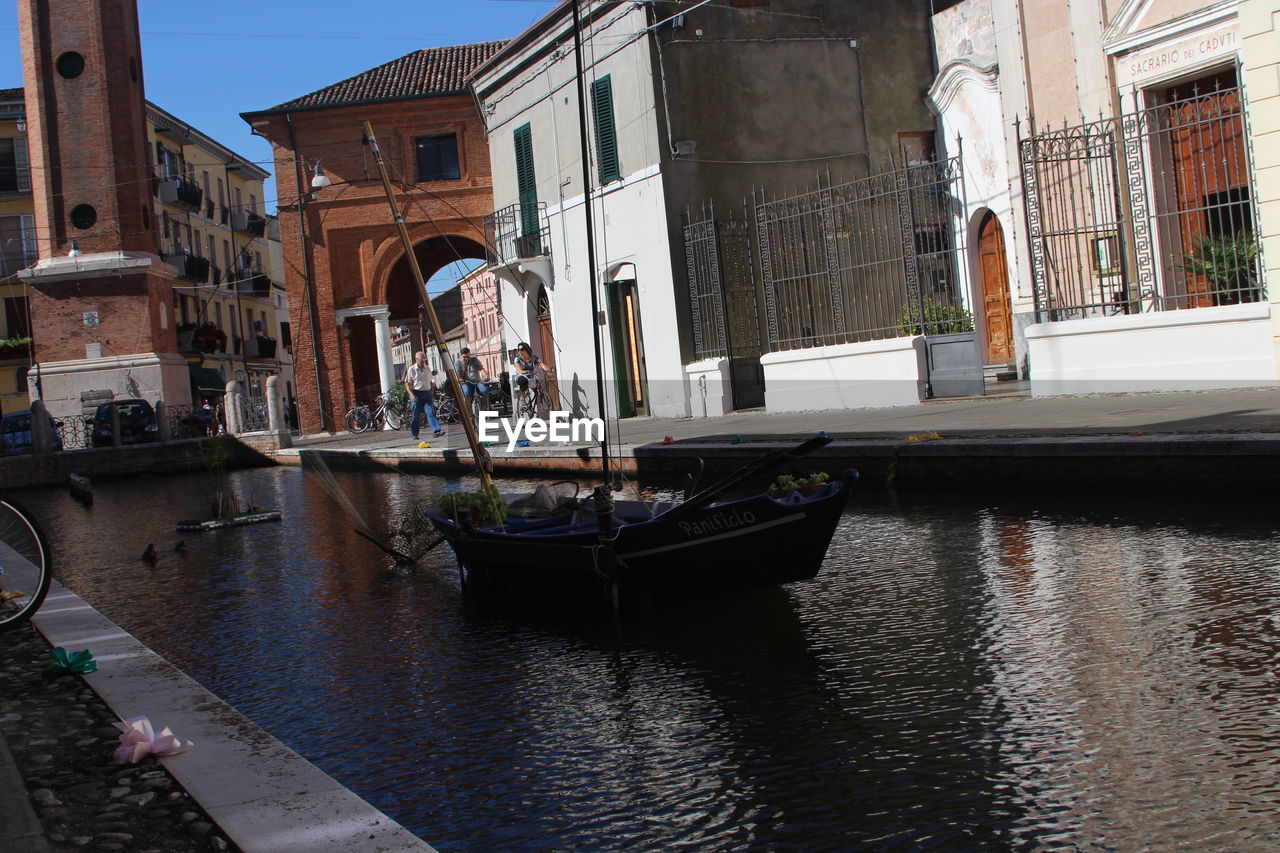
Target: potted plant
[208,338]
[480,508]
[785,484]
[15,347]
[940,318]
[1229,263]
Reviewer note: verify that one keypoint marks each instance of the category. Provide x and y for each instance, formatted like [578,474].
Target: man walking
[417,380]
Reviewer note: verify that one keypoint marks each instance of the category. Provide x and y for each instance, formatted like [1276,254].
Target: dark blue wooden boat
[655,552]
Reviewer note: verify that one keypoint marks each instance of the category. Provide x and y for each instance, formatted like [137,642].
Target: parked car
[15,433]
[137,423]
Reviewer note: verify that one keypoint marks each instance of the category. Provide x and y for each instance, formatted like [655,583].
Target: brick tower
[101,298]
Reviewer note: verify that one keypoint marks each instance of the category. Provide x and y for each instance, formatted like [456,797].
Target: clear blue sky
[207,63]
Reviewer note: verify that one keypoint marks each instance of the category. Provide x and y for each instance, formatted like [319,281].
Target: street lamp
[321,180]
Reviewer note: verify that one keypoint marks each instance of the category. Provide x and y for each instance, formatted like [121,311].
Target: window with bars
[606,132]
[438,158]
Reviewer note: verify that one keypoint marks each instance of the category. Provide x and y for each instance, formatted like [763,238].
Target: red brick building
[346,271]
[101,299]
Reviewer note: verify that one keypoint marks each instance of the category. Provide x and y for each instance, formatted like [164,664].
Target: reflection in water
[966,673]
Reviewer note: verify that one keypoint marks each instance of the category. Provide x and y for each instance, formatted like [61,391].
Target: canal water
[968,672]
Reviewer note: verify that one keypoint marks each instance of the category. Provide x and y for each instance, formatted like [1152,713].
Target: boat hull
[737,545]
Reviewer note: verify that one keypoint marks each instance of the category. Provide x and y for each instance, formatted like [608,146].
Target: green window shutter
[527,186]
[606,133]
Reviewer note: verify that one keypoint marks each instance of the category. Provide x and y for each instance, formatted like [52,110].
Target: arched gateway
[346,272]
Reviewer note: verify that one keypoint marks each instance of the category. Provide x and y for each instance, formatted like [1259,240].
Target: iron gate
[1149,211]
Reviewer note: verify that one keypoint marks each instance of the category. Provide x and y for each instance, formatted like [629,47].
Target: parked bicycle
[385,411]
[26,567]
[446,408]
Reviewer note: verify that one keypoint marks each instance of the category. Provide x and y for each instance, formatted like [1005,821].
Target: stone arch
[389,261]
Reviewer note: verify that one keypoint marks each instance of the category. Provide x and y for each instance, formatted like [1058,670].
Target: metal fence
[256,417]
[863,260]
[1149,211]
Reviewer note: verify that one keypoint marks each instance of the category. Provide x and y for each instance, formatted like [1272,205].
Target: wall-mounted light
[321,180]
[75,249]
[22,125]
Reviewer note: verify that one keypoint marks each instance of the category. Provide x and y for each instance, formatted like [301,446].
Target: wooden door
[996,307]
[628,349]
[1210,172]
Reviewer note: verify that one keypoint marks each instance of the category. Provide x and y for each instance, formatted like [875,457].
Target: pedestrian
[472,375]
[527,365]
[417,381]
[207,417]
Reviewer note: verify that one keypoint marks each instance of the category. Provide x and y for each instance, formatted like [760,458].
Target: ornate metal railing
[861,260]
[518,231]
[255,414]
[1149,211]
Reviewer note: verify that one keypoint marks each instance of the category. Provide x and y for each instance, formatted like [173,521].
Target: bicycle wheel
[395,417]
[446,409]
[524,405]
[26,568]
[359,419]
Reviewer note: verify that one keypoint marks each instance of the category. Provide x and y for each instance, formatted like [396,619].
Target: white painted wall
[629,215]
[710,391]
[845,376]
[631,229]
[144,375]
[1228,346]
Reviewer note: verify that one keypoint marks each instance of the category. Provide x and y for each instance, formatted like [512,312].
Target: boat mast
[591,240]
[481,456]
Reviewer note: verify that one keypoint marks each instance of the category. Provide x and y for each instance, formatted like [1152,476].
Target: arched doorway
[547,343]
[997,309]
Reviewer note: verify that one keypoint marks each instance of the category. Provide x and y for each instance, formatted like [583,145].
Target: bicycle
[446,408]
[26,567]
[534,401]
[386,410]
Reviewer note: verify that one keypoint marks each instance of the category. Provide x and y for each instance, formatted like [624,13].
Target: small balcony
[254,284]
[520,244]
[181,193]
[260,347]
[190,267]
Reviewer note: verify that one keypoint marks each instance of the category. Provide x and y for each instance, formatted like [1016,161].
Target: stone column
[232,404]
[382,336]
[41,437]
[275,414]
[162,422]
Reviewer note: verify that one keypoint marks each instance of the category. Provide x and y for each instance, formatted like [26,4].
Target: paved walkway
[1009,435]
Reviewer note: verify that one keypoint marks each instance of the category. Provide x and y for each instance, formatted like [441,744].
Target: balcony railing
[254,284]
[518,231]
[190,267]
[181,193]
[250,223]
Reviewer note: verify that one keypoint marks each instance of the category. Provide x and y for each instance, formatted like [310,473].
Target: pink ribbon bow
[138,740]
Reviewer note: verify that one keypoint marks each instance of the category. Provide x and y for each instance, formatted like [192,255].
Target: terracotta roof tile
[435,71]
